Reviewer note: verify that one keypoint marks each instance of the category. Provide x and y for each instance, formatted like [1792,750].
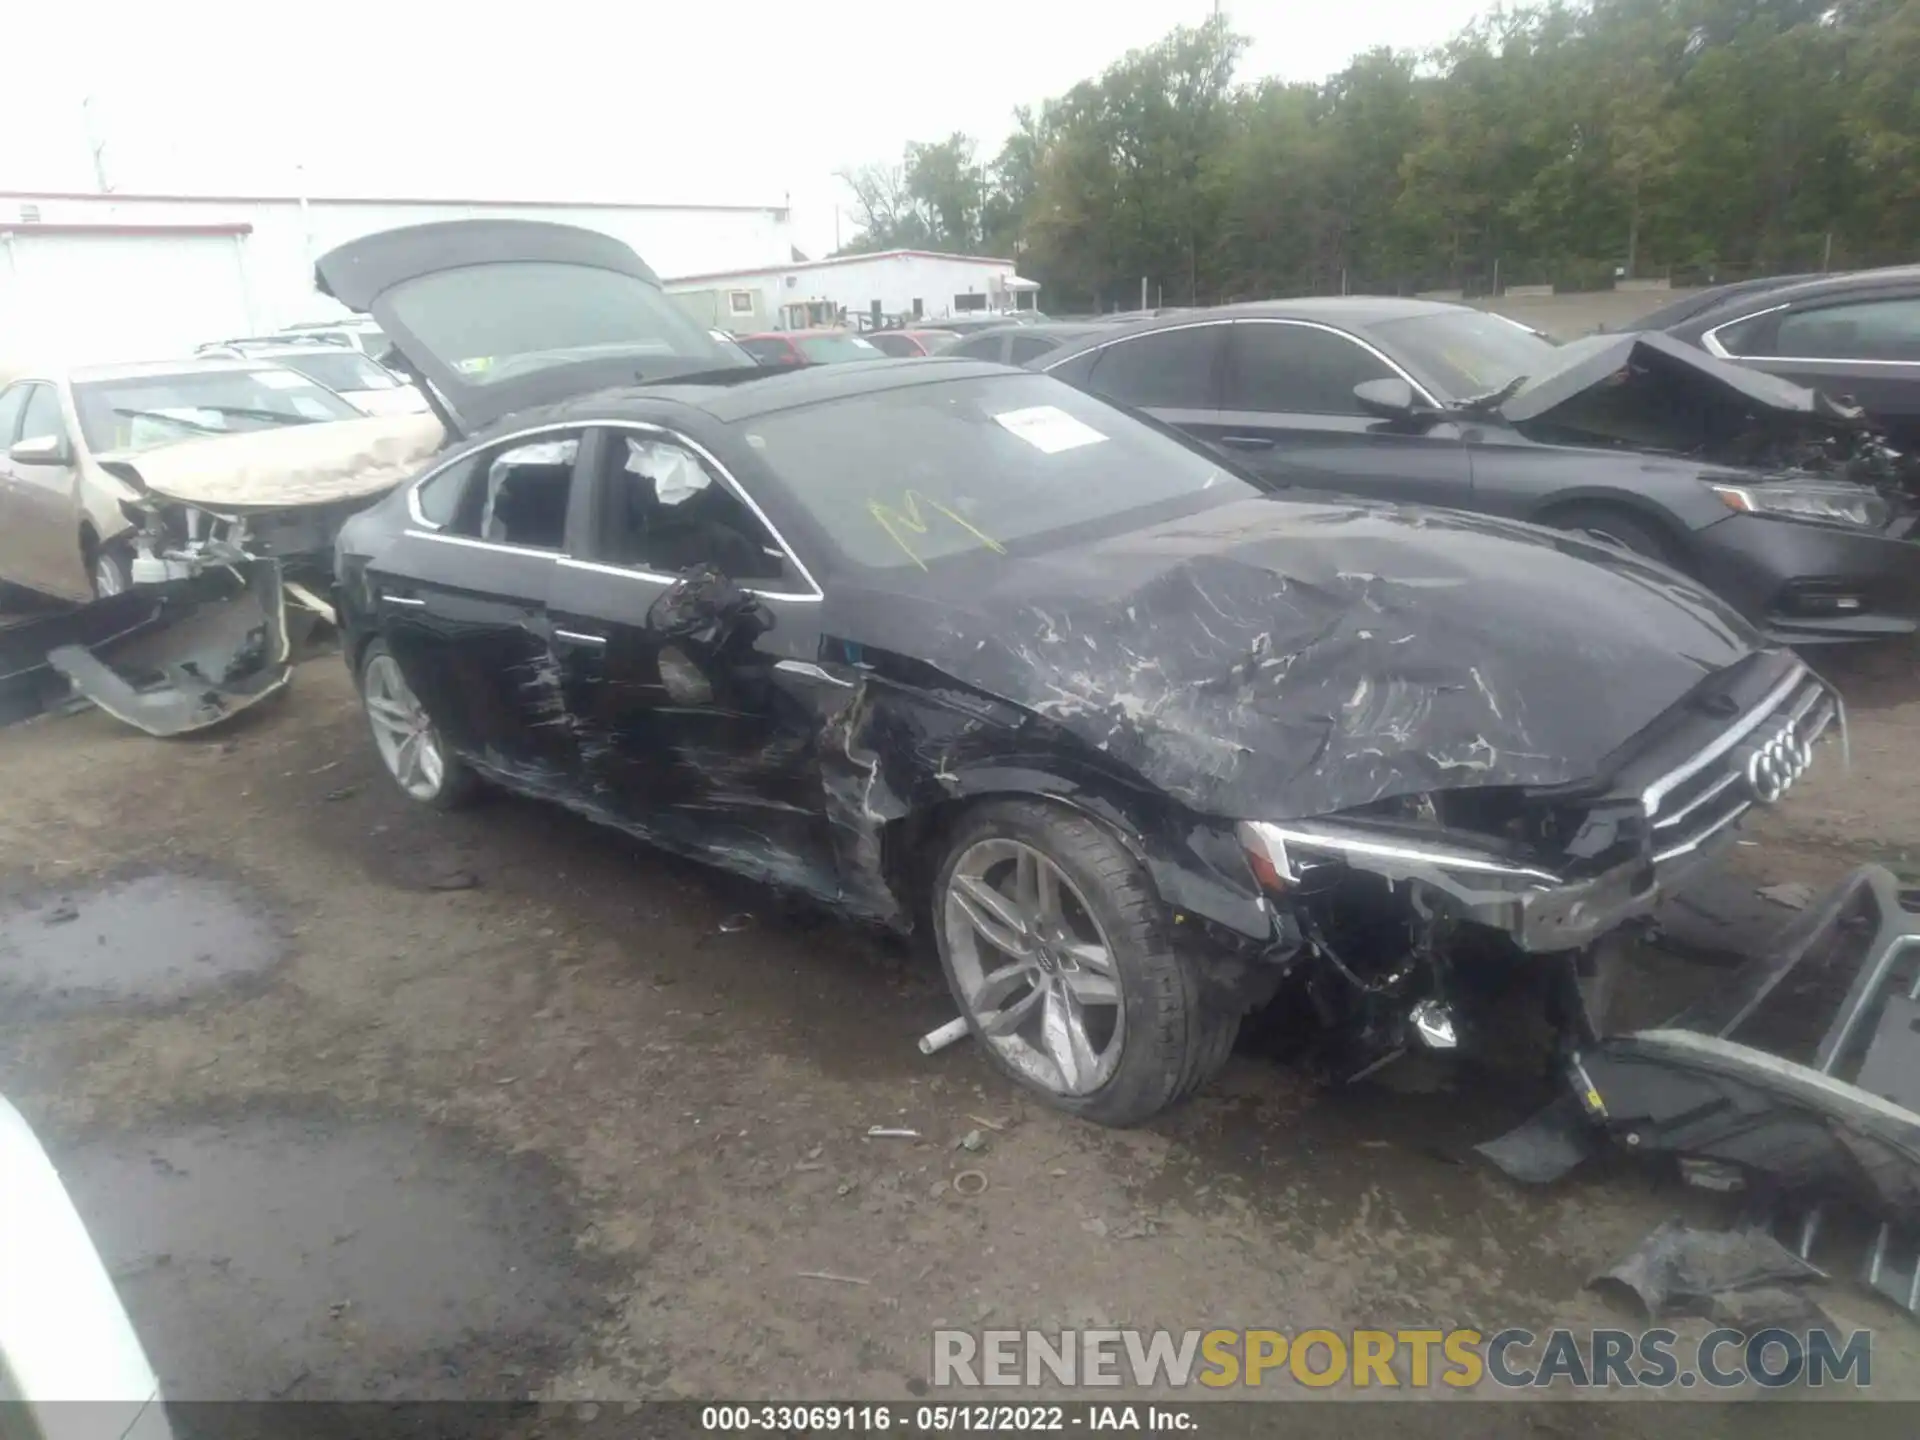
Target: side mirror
[1392,399]
[41,450]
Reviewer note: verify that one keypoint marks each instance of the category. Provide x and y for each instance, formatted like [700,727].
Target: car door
[461,599]
[16,553]
[44,498]
[1173,373]
[1865,348]
[1289,413]
[699,740]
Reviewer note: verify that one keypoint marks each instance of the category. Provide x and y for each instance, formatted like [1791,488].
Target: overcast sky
[707,101]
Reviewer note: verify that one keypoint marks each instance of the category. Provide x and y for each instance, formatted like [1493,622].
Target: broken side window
[514,495]
[664,512]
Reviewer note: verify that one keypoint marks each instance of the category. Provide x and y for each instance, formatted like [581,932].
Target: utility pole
[96,146]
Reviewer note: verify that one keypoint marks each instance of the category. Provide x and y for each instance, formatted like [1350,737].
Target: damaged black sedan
[944,643]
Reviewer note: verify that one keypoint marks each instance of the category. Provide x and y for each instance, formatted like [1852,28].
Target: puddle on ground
[285,1257]
[143,940]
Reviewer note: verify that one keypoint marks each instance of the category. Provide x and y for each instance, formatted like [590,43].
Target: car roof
[798,334]
[1731,302]
[771,390]
[140,369]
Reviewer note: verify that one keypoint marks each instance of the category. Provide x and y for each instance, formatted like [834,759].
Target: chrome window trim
[425,529]
[1366,345]
[627,572]
[1710,340]
[1346,335]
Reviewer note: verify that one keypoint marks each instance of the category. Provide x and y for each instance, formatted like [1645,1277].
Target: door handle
[409,601]
[575,637]
[1247,442]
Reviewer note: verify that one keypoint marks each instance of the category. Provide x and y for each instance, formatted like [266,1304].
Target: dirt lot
[364,1100]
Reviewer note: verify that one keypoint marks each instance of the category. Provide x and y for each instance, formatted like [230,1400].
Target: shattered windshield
[906,476]
[495,321]
[1468,352]
[146,411]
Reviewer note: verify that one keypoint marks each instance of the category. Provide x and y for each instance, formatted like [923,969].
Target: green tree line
[1557,143]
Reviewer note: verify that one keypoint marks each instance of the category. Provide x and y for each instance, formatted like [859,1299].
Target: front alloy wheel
[403,732]
[1033,967]
[1056,949]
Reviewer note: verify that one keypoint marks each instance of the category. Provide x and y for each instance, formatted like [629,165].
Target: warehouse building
[115,277]
[886,287]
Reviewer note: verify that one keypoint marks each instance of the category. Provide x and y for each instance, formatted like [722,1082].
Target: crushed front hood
[288,467]
[1649,391]
[1273,660]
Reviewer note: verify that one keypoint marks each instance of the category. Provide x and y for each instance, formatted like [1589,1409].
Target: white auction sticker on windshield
[1049,428]
[281,379]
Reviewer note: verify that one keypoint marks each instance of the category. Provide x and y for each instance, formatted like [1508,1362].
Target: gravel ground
[365,1100]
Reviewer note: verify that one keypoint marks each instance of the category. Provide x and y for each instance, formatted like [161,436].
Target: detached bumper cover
[1801,1075]
[167,659]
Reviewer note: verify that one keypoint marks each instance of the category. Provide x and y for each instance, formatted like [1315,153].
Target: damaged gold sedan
[199,538]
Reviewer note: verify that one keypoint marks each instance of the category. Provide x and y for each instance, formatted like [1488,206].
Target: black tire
[1173,1041]
[459,785]
[1617,525]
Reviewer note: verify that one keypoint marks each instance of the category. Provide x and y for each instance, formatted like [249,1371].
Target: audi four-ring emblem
[1774,766]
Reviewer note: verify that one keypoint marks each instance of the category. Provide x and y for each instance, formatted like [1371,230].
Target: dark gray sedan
[1784,502]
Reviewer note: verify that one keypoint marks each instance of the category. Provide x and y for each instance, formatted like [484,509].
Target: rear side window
[515,495]
[1029,347]
[979,347]
[1870,330]
[1169,369]
[1297,369]
[895,345]
[768,352]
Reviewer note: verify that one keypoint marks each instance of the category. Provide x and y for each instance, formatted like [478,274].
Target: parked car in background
[63,531]
[1019,344]
[363,335]
[905,344]
[1781,502]
[975,321]
[944,643]
[809,347]
[1856,336]
[363,382]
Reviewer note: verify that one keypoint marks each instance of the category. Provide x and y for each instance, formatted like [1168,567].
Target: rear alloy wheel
[1056,950]
[405,735]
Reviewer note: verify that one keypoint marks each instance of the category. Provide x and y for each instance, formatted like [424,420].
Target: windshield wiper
[1491,401]
[180,420]
[245,412]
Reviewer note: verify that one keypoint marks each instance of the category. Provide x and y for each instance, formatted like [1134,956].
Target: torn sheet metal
[219,647]
[1273,662]
[286,467]
[1680,1270]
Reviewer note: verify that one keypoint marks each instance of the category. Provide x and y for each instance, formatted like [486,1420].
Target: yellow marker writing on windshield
[894,521]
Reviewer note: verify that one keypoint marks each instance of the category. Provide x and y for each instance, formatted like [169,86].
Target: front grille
[1755,761]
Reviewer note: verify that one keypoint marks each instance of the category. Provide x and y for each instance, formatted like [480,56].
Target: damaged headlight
[1832,503]
[1283,856]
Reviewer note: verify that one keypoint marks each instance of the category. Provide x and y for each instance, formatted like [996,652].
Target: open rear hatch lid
[501,315]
